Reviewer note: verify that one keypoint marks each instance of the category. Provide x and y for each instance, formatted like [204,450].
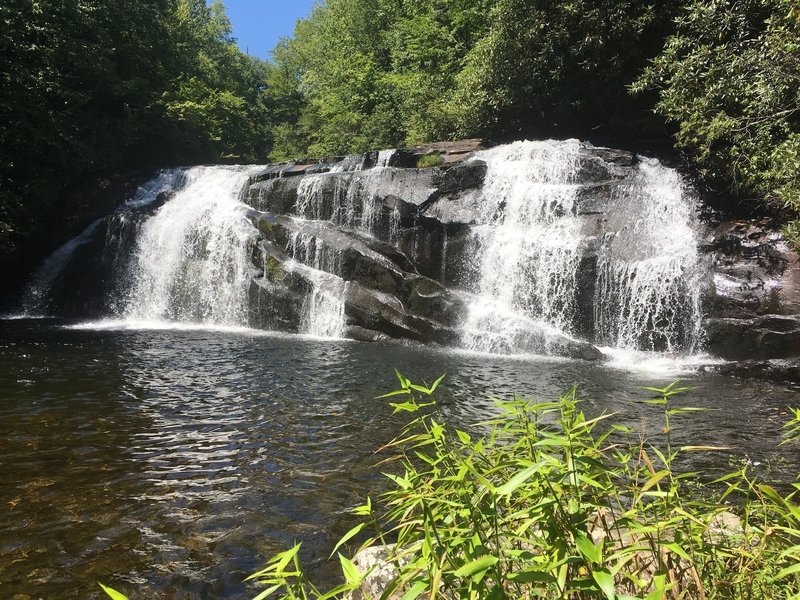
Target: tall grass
[552,504]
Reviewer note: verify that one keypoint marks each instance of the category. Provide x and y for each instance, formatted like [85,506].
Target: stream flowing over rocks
[547,247]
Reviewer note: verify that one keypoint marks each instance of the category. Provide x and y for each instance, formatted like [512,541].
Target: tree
[730,80]
[94,85]
[561,68]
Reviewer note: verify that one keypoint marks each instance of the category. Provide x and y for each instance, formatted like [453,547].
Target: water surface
[171,462]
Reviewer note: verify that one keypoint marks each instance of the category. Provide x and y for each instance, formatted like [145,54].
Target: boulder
[753,270]
[758,338]
[780,370]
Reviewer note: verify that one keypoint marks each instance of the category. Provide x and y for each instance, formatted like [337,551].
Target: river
[172,461]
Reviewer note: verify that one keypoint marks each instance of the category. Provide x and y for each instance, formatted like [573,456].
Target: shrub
[551,504]
[430,160]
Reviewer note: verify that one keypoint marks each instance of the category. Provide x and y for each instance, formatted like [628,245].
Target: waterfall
[191,258]
[347,197]
[323,308]
[35,297]
[557,246]
[532,245]
[529,245]
[385,157]
[647,294]
[37,294]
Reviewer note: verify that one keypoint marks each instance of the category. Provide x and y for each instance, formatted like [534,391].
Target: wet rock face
[753,292]
[401,238]
[765,337]
[754,271]
[411,266]
[401,249]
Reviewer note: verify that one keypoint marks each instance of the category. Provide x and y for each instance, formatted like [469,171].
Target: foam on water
[647,294]
[191,259]
[530,250]
[647,278]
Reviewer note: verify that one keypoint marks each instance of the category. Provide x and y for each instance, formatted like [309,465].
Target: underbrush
[552,504]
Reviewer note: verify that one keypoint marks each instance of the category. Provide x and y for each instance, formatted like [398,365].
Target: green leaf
[477,566]
[400,481]
[346,537]
[517,480]
[795,568]
[350,571]
[677,550]
[364,509]
[267,592]
[654,480]
[405,407]
[532,576]
[112,593]
[394,393]
[589,551]
[605,581]
[686,409]
[771,493]
[404,383]
[277,563]
[437,382]
[415,590]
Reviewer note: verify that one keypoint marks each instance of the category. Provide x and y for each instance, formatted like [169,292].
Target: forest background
[95,87]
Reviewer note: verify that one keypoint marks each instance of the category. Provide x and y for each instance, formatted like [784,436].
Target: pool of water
[170,462]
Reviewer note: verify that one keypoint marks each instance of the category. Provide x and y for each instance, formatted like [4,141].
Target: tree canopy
[729,79]
[720,77]
[94,85]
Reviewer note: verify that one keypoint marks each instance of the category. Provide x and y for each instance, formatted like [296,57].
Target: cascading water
[647,295]
[36,295]
[191,259]
[647,279]
[555,247]
[347,197]
[530,245]
[323,308]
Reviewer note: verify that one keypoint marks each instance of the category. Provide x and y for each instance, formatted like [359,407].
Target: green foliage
[360,75]
[429,160]
[97,85]
[729,78]
[552,504]
[112,593]
[561,68]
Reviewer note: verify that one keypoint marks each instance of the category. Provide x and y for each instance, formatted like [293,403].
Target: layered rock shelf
[394,244]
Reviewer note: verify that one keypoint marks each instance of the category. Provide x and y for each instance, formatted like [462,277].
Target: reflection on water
[171,463]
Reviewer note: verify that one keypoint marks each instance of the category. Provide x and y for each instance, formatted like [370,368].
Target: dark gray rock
[465,176]
[780,370]
[753,271]
[763,337]
[599,165]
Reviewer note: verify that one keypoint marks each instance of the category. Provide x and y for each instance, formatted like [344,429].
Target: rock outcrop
[394,239]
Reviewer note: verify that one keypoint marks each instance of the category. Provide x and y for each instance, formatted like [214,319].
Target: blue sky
[259,24]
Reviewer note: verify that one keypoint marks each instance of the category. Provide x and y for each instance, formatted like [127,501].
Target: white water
[36,294]
[647,287]
[191,260]
[323,308]
[647,294]
[349,201]
[385,157]
[530,249]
